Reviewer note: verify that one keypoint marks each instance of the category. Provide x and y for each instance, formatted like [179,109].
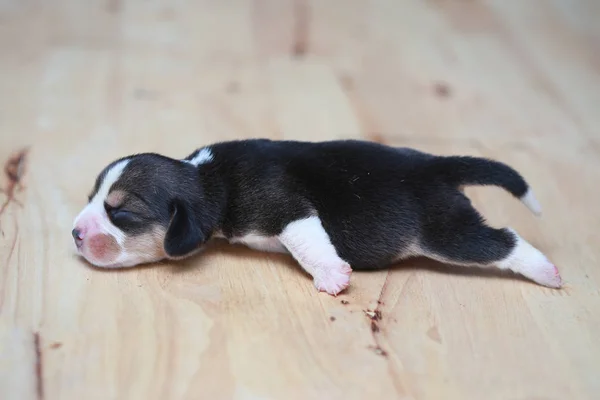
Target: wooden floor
[85,82]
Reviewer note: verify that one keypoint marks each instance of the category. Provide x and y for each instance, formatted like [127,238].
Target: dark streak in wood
[13,244]
[379,351]
[14,169]
[38,366]
[374,327]
[375,316]
[301,28]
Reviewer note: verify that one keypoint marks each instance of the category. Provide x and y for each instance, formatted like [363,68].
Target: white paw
[530,262]
[540,270]
[333,280]
[546,274]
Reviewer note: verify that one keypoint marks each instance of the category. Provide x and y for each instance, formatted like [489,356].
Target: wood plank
[20,371]
[516,81]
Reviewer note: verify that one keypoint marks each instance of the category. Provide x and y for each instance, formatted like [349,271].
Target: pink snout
[95,244]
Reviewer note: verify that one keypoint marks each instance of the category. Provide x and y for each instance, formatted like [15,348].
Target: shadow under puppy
[334,206]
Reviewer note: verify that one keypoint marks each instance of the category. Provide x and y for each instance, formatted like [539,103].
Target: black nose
[76,234]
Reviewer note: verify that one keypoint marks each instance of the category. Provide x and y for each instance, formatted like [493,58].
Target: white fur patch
[110,178]
[412,250]
[530,262]
[259,242]
[93,216]
[309,244]
[531,202]
[204,156]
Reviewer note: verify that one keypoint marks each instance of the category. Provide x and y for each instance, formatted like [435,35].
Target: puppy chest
[258,242]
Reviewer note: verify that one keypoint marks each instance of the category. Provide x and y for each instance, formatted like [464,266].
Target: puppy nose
[77,236]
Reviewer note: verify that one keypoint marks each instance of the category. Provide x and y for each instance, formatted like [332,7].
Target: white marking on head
[112,175]
[204,156]
[93,220]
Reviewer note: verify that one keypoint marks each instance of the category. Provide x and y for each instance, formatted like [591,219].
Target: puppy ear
[184,234]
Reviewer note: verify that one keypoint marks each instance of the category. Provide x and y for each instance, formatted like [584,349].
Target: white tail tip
[531,202]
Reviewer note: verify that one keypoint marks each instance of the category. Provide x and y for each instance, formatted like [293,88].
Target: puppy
[334,206]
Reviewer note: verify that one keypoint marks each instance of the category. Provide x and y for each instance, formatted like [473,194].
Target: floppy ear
[184,234]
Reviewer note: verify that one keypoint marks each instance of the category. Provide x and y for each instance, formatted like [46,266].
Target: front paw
[333,280]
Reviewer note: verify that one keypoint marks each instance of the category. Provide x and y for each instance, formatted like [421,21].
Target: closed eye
[116,213]
[124,219]
[121,214]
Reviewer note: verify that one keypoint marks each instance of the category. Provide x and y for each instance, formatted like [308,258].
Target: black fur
[374,201]
[185,232]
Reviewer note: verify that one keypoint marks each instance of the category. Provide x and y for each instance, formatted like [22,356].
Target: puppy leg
[530,262]
[463,239]
[310,245]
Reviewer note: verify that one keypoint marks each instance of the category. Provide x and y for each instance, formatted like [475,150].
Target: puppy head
[142,209]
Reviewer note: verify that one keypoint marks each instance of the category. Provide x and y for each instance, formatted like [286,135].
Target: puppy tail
[464,170]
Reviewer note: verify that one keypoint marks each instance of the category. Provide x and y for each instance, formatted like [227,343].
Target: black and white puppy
[334,206]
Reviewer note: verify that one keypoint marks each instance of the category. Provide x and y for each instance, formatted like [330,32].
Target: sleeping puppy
[334,206]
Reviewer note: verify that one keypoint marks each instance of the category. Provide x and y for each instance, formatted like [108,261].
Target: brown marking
[14,169]
[442,89]
[120,198]
[332,319]
[150,244]
[103,247]
[301,29]
[115,198]
[345,302]
[38,366]
[56,345]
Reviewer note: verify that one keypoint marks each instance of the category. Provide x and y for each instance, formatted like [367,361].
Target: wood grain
[82,83]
